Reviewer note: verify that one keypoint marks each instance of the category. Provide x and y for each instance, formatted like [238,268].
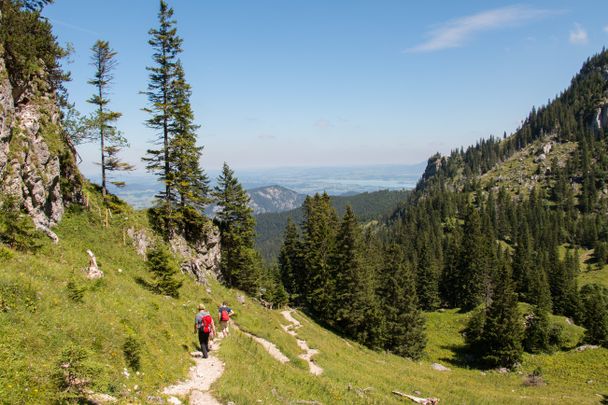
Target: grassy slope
[252,375]
[41,321]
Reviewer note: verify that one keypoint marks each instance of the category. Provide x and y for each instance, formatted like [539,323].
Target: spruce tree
[319,239]
[564,287]
[191,183]
[290,261]
[405,335]
[594,299]
[356,310]
[167,46]
[102,122]
[451,268]
[497,334]
[427,280]
[164,271]
[240,266]
[522,262]
[538,331]
[474,262]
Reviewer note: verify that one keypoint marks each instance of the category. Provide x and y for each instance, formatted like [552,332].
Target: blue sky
[331,83]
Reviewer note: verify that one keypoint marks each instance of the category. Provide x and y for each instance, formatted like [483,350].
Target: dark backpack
[224,315]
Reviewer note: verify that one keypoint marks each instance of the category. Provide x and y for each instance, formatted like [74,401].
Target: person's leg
[205,345]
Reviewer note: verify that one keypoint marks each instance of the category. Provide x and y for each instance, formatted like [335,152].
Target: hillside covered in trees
[497,261]
[478,233]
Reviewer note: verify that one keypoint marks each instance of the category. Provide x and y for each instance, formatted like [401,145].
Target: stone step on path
[302,344]
[202,375]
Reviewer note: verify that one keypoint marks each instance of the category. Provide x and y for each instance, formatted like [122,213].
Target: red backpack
[206,323]
[224,315]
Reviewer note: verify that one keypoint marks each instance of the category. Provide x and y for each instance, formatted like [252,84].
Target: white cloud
[455,33]
[606,28]
[578,36]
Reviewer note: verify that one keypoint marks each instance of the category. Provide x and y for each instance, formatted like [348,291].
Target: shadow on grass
[143,283]
[604,399]
[463,358]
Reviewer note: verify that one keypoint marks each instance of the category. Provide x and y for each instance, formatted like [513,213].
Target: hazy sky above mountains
[327,83]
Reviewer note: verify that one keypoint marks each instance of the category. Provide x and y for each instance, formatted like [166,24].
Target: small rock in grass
[99,398]
[174,401]
[586,347]
[502,370]
[439,367]
[196,354]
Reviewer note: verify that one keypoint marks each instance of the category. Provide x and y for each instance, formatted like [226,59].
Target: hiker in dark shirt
[225,313]
[204,326]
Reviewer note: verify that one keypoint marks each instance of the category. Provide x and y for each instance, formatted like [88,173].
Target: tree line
[475,248]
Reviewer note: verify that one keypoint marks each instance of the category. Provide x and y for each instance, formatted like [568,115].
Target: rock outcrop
[199,260]
[601,117]
[202,258]
[33,151]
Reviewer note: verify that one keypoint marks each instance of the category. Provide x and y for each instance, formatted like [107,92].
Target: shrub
[75,293]
[164,269]
[131,349]
[535,379]
[16,228]
[73,374]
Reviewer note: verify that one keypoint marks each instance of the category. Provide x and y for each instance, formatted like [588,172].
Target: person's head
[224,304]
[201,307]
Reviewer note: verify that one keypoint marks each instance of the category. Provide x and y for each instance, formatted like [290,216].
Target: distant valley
[283,189]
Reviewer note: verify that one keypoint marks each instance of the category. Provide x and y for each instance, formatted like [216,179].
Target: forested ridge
[472,244]
[368,206]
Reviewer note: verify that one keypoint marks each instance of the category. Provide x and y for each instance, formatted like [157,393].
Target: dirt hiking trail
[308,352]
[204,373]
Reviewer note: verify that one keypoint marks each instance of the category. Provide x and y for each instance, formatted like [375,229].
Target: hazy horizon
[337,83]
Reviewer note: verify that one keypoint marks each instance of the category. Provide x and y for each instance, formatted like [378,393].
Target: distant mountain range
[289,185]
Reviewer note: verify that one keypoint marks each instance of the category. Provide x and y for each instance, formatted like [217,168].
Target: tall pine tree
[240,265]
[405,335]
[167,46]
[501,339]
[355,308]
[290,261]
[191,183]
[102,122]
[319,239]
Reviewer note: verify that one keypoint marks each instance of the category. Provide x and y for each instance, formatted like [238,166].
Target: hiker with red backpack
[204,326]
[225,313]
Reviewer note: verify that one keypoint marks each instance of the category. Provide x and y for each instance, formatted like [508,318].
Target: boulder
[439,367]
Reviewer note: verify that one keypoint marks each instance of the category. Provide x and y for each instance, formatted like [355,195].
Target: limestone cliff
[199,260]
[37,165]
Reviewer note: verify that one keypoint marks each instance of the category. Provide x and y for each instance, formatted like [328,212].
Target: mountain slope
[274,199]
[39,321]
[571,128]
[367,207]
